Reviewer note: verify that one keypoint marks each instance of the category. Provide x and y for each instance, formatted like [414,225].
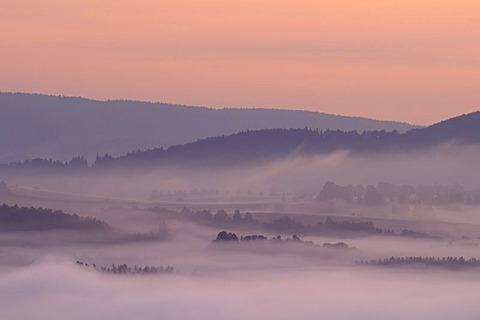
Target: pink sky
[415,61]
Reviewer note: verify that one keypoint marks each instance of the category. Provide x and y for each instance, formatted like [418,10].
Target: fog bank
[59,289]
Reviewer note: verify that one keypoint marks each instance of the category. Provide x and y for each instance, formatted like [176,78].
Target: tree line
[230,237]
[445,262]
[126,269]
[285,224]
[15,218]
[400,194]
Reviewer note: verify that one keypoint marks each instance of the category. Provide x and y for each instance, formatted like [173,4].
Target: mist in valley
[301,294]
[211,160]
[263,278]
[444,164]
[337,235]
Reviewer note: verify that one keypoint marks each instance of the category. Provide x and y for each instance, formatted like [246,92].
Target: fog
[301,267]
[287,280]
[444,164]
[56,289]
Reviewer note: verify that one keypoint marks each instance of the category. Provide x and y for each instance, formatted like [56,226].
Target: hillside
[256,146]
[264,145]
[60,127]
[464,128]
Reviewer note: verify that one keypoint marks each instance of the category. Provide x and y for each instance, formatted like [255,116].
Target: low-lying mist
[56,289]
[442,165]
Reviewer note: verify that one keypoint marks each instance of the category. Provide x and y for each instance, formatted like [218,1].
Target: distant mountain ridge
[35,125]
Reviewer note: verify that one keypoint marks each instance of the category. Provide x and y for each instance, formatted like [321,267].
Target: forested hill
[250,147]
[264,145]
[463,128]
[41,126]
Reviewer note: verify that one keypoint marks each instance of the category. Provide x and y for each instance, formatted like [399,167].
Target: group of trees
[15,218]
[404,194]
[285,224]
[225,236]
[230,237]
[77,163]
[337,245]
[220,218]
[360,226]
[446,262]
[125,269]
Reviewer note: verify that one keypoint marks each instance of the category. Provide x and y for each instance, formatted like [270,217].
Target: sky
[412,60]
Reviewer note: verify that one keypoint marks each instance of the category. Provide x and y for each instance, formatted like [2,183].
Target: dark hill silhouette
[464,128]
[248,147]
[254,147]
[60,127]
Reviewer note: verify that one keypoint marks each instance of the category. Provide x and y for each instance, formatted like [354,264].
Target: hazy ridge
[260,146]
[35,125]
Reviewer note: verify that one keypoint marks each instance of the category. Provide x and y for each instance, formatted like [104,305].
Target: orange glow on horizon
[415,61]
